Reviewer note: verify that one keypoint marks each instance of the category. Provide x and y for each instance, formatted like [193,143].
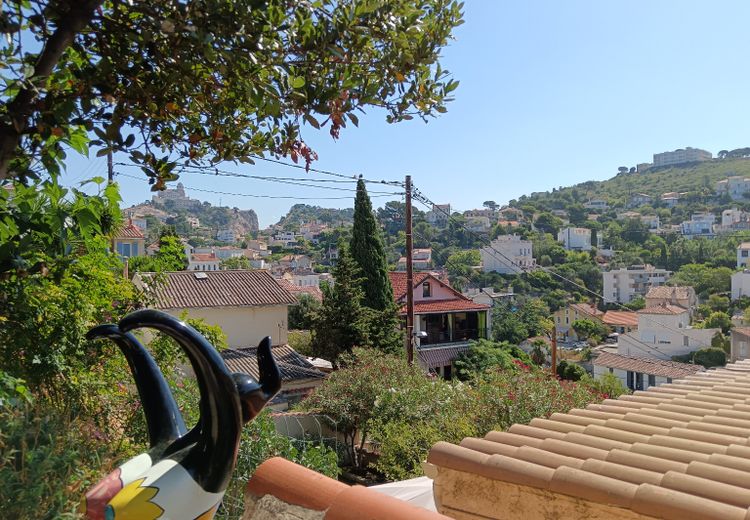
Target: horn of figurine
[211,459]
[163,419]
[254,395]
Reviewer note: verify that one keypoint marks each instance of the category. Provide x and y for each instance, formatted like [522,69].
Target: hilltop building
[625,284]
[176,196]
[681,156]
[507,254]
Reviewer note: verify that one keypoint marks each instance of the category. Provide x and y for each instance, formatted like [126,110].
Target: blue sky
[552,93]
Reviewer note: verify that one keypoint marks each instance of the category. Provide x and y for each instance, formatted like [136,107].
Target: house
[295,262]
[700,224]
[672,452]
[651,221]
[683,296]
[439,215]
[639,199]
[740,345]
[664,331]
[596,204]
[488,295]
[247,305]
[478,224]
[743,254]
[130,241]
[625,284]
[421,259]
[507,254]
[226,235]
[735,186]
[638,373]
[299,376]
[566,316]
[203,262]
[575,238]
[509,213]
[448,319]
[741,284]
[221,252]
[484,212]
[298,290]
[621,322]
[670,199]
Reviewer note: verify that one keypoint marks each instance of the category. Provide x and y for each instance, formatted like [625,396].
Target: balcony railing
[437,337]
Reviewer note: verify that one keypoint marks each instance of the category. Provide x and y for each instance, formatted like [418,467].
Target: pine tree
[341,323]
[369,254]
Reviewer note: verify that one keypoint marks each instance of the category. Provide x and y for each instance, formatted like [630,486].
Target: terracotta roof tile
[440,356]
[293,365]
[669,292]
[398,282]
[204,257]
[656,367]
[131,232]
[425,307]
[663,309]
[235,288]
[679,451]
[587,308]
[622,318]
[311,290]
[299,486]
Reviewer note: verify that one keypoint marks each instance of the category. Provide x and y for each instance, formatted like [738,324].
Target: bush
[570,371]
[710,357]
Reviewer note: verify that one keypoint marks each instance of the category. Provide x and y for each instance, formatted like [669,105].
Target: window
[426,290]
[611,370]
[651,380]
[744,253]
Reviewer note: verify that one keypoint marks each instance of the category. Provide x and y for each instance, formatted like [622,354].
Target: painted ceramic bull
[184,473]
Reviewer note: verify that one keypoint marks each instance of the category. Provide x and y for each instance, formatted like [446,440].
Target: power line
[216,192]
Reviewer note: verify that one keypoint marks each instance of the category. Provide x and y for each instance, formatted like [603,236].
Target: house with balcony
[624,285]
[445,321]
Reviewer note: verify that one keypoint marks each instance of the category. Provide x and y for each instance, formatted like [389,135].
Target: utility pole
[554,350]
[409,278]
[110,168]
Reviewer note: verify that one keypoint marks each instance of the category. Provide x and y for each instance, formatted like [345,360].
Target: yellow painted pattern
[134,502]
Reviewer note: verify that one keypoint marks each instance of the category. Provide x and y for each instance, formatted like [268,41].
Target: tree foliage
[170,256]
[302,315]
[212,81]
[484,354]
[367,250]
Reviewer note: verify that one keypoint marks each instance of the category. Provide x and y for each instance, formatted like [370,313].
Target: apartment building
[681,156]
[625,284]
[507,254]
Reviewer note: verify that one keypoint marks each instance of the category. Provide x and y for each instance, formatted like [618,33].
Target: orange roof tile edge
[300,486]
[678,451]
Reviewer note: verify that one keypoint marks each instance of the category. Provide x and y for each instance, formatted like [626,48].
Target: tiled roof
[130,232]
[204,257]
[311,290]
[677,451]
[587,308]
[283,489]
[440,356]
[667,292]
[293,365]
[663,309]
[626,318]
[235,288]
[429,307]
[744,245]
[657,367]
[398,282]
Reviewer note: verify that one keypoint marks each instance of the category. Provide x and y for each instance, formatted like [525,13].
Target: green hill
[697,179]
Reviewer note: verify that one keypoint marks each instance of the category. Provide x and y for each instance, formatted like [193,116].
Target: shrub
[570,371]
[710,357]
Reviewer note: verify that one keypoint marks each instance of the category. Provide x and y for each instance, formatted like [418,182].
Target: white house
[439,215]
[700,224]
[421,260]
[488,295]
[247,305]
[743,254]
[637,373]
[507,254]
[639,199]
[478,224]
[203,262]
[664,331]
[226,235]
[599,204]
[740,348]
[222,252]
[575,238]
[741,284]
[735,186]
[625,284]
[670,199]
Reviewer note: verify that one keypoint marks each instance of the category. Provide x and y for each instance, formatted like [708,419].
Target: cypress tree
[341,323]
[369,253]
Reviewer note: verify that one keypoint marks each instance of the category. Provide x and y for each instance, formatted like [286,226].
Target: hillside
[695,177]
[300,213]
[212,218]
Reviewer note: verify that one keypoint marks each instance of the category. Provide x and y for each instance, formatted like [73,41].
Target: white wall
[740,284]
[244,326]
[599,371]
